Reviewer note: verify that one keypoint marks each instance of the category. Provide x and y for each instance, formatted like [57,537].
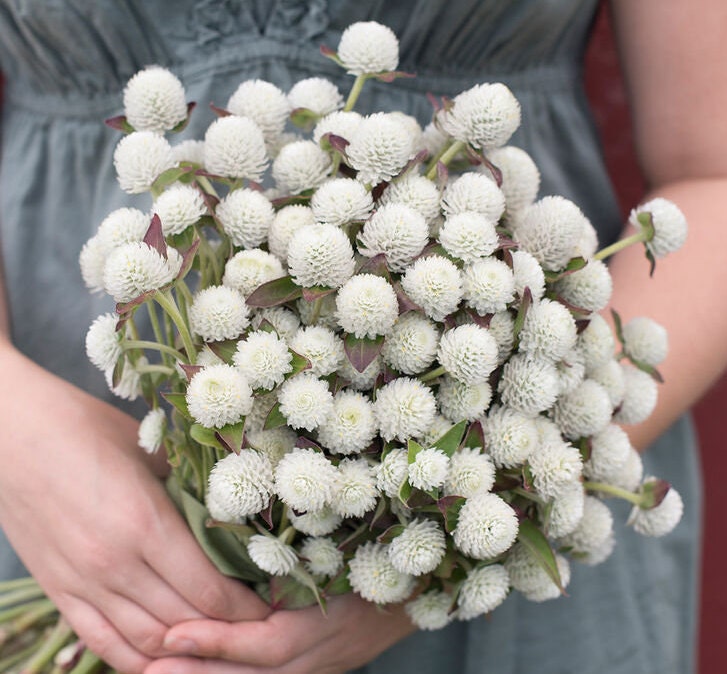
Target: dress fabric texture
[65,64]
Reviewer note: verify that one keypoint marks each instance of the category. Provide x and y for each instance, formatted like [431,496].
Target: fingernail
[180,645]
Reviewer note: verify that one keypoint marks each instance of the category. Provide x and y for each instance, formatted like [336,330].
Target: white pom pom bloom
[528,576]
[151,430]
[593,533]
[566,510]
[322,557]
[435,284]
[459,401]
[234,147]
[274,443]
[661,519]
[285,322]
[488,285]
[286,222]
[305,401]
[439,427]
[218,395]
[572,371]
[140,158]
[583,412]
[549,330]
[419,548]
[528,274]
[627,476]
[368,47]
[555,465]
[434,140]
[430,610]
[264,359]
[468,353]
[218,313]
[429,469]
[411,345]
[340,201]
[154,100]
[373,576]
[121,226]
[670,225]
[103,342]
[468,235]
[317,94]
[609,451]
[272,555]
[190,151]
[502,328]
[136,268]
[92,260]
[264,104]
[639,398]
[305,480]
[367,306]
[404,408]
[529,385]
[470,472]
[588,288]
[520,176]
[341,124]
[320,255]
[246,216]
[414,191]
[487,526]
[510,436]
[483,590]
[473,192]
[248,269]
[392,472]
[350,427]
[128,387]
[354,492]
[179,207]
[645,341]
[321,346]
[596,342]
[317,523]
[301,165]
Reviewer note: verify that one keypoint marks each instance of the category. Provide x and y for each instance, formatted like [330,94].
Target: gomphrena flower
[661,519]
[486,527]
[234,147]
[468,353]
[596,342]
[470,472]
[411,345]
[610,450]
[566,510]
[511,436]
[572,371]
[468,235]
[103,341]
[439,427]
[283,320]
[529,385]
[320,255]
[246,216]
[502,328]
[434,139]
[488,285]
[459,401]
[392,472]
[610,375]
[404,408]
[594,532]
[321,556]
[645,341]
[92,260]
[520,176]
[286,222]
[321,346]
[151,430]
[435,284]
[373,576]
[239,486]
[670,225]
[350,427]
[317,94]
[354,492]
[305,401]
[218,395]
[264,104]
[419,548]
[584,411]
[627,476]
[121,226]
[340,201]
[128,387]
[263,358]
[140,158]
[154,100]
[339,123]
[528,274]
[414,191]
[367,306]
[430,610]
[248,269]
[315,523]
[190,151]
[484,589]
[554,465]
[473,193]
[529,577]
[549,330]
[218,313]
[368,47]
[485,116]
[639,398]
[272,555]
[429,469]
[273,443]
[588,288]
[300,165]
[305,480]
[397,231]
[360,381]
[179,207]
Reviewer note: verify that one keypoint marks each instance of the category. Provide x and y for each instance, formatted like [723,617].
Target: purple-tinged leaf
[276,292]
[306,443]
[494,170]
[224,349]
[154,236]
[190,370]
[220,112]
[448,564]
[316,292]
[330,54]
[405,302]
[582,324]
[391,533]
[179,402]
[450,506]
[338,143]
[391,75]
[505,243]
[379,190]
[482,321]
[275,418]
[527,300]
[183,124]
[375,265]
[449,443]
[475,438]
[298,363]
[419,158]
[654,492]
[126,308]
[537,544]
[474,157]
[267,514]
[442,174]
[434,101]
[188,259]
[362,351]
[381,517]
[119,123]
[290,200]
[232,436]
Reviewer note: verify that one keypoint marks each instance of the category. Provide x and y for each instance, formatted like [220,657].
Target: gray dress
[65,62]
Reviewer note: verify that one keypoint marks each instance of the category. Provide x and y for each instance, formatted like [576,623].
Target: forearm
[4,313]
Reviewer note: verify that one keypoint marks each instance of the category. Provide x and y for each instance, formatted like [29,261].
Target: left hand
[352,633]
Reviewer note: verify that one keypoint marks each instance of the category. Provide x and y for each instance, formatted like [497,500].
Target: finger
[180,665]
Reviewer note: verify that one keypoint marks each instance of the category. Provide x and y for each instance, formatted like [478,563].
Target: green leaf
[224,350]
[475,438]
[183,124]
[537,544]
[522,311]
[450,441]
[338,585]
[574,264]
[298,362]
[120,123]
[391,533]
[618,326]
[275,418]
[375,265]
[179,402]
[276,292]
[405,492]
[307,580]
[413,448]
[168,177]
[450,506]
[231,436]
[361,351]
[316,292]
[304,118]
[205,436]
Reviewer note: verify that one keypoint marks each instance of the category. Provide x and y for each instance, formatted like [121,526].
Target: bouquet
[375,360]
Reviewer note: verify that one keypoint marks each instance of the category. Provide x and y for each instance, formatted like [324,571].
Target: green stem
[88,664]
[42,608]
[17,583]
[152,368]
[8,664]
[640,237]
[612,490]
[166,302]
[154,321]
[22,594]
[16,612]
[355,92]
[49,648]
[316,313]
[521,491]
[432,374]
[287,536]
[144,344]
[450,153]
[206,185]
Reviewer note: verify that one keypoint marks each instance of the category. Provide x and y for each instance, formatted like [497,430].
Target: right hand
[95,527]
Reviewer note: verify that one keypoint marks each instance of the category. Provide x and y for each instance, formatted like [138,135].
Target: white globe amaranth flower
[485,116]
[419,548]
[300,165]
[470,472]
[430,610]
[340,123]
[248,269]
[234,147]
[434,139]
[218,395]
[484,589]
[528,576]
[316,523]
[305,480]
[272,555]
[103,341]
[411,345]
[218,313]
[92,260]
[368,47]
[529,385]
[502,328]
[190,151]
[468,236]
[414,191]
[263,357]
[373,576]
[468,353]
[431,436]
[594,531]
[321,346]
[549,331]
[320,312]
[584,411]
[520,176]
[136,268]
[639,398]
[320,255]
[239,486]
[610,375]
[661,519]
[379,148]
[510,436]
[285,322]
[340,201]
[566,510]
[627,476]
[413,127]
[392,472]
[261,408]
[488,285]
[360,381]
[435,284]
[321,556]
[548,431]
[473,192]
[246,215]
[459,401]
[128,386]
[179,207]
[354,492]
[554,466]
[286,222]
[205,357]
[528,274]
[151,430]
[670,225]
[404,408]
[588,288]
[610,450]
[317,94]
[121,226]
[486,527]
[429,469]
[572,371]
[351,426]
[645,341]
[597,342]
[587,243]
[397,231]
[154,100]
[273,443]
[367,306]
[140,158]
[549,230]
[305,401]
[264,103]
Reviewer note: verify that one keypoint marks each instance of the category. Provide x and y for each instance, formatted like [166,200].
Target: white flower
[594,531]
[340,201]
[588,288]
[360,381]
[246,216]
[316,523]
[510,436]
[178,207]
[154,100]
[368,47]
[92,260]
[502,328]
[190,151]
[239,486]
[419,548]
[261,408]
[483,590]
[549,330]
[639,398]
[431,436]
[128,387]
[299,166]
[596,342]
[140,158]
[248,269]
[430,610]
[392,472]
[566,510]
[136,268]
[645,341]
[103,341]
[305,401]
[411,346]
[434,140]
[459,401]
[484,116]
[272,555]
[350,427]
[520,176]
[404,408]
[321,346]
[218,395]
[468,353]
[414,191]
[487,526]
[572,371]
[320,255]
[317,94]
[321,556]
[627,476]
[670,225]
[234,147]
[264,359]
[609,451]
[488,285]
[555,465]
[341,124]
[470,472]
[474,192]
[218,313]
[286,222]
[661,519]
[264,104]
[584,411]
[528,274]
[121,226]
[305,480]
[354,492]
[435,284]
[285,322]
[529,577]
[373,576]
[379,148]
[529,385]
[151,430]
[468,236]
[367,306]
[274,443]
[429,469]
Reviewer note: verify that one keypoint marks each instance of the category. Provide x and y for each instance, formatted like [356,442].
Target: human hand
[94,525]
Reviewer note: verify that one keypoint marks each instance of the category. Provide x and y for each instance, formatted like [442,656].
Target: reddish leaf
[183,124]
[338,143]
[405,303]
[232,436]
[475,438]
[392,75]
[154,236]
[450,506]
[316,292]
[190,370]
[188,259]
[375,265]
[220,112]
[120,123]
[361,351]
[274,293]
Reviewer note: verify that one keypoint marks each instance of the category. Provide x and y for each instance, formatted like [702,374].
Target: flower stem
[447,156]
[316,313]
[49,648]
[432,374]
[531,496]
[355,92]
[88,664]
[144,344]
[20,595]
[639,237]
[152,368]
[17,583]
[612,490]
[166,302]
